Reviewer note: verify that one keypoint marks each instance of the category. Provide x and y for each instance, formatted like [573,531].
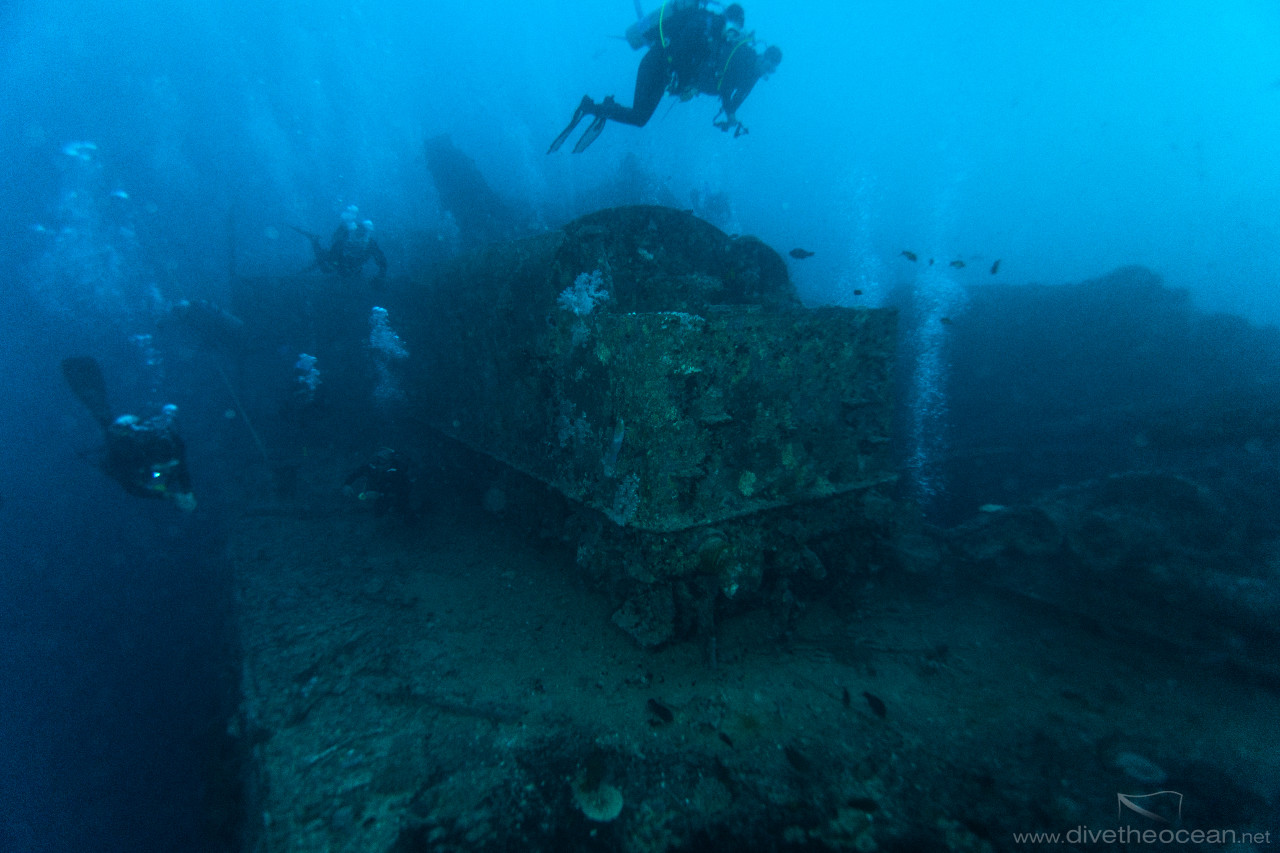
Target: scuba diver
[147,458]
[385,481]
[693,50]
[212,324]
[351,248]
[742,70]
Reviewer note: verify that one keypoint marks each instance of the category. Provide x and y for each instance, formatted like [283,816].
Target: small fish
[800,254]
[910,255]
[864,804]
[662,712]
[946,321]
[877,705]
[798,760]
[995,268]
[728,740]
[857,293]
[845,699]
[931,262]
[957,264]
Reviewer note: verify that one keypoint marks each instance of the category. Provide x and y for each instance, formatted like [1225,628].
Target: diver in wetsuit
[742,70]
[352,247]
[385,481]
[695,51]
[147,458]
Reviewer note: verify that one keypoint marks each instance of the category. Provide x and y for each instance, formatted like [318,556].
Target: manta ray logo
[1164,806]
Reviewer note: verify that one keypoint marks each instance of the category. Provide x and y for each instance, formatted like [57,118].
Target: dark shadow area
[117,649]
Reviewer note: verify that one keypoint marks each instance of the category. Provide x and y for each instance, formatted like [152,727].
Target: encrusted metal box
[663,374]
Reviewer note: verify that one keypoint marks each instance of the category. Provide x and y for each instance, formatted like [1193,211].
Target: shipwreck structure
[648,390]
[664,378]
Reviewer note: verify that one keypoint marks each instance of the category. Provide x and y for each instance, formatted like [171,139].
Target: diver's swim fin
[317,249]
[84,377]
[590,135]
[583,106]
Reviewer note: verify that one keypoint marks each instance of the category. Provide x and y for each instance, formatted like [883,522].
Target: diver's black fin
[84,376]
[317,249]
[590,135]
[316,245]
[585,104]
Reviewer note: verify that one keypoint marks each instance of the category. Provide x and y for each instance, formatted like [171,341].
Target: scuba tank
[645,32]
